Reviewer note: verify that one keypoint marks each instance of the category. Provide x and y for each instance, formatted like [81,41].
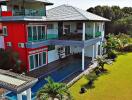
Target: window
[50,26]
[51,47]
[39,32]
[5,33]
[37,60]
[31,62]
[30,33]
[36,32]
[67,29]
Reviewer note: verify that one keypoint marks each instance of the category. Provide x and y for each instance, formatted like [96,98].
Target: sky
[85,4]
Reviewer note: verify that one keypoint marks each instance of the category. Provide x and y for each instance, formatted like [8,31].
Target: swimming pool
[58,76]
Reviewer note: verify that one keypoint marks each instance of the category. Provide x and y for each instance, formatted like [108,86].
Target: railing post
[28,94]
[83,59]
[19,96]
[83,49]
[84,32]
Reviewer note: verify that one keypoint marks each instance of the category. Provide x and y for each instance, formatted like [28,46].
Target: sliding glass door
[37,60]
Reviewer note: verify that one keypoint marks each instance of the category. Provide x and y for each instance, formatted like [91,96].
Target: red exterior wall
[17,33]
[6,13]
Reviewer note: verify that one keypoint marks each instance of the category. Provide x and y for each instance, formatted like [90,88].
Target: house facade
[41,37]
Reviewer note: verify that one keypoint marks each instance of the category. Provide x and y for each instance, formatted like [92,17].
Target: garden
[109,81]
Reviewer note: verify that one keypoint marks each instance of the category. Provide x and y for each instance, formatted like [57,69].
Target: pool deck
[45,70]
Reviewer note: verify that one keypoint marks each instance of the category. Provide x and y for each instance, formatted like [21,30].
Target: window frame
[40,53]
[5,27]
[43,37]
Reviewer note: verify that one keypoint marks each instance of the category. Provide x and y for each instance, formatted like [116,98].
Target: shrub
[128,48]
[112,54]
[91,77]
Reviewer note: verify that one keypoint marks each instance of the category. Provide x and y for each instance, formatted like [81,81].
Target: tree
[52,90]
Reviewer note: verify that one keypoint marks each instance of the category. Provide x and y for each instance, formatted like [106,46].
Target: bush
[112,54]
[128,48]
[91,77]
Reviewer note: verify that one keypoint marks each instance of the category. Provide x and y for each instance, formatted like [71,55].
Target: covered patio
[71,64]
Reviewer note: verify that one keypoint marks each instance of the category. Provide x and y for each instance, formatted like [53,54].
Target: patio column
[83,49]
[28,94]
[83,59]
[93,45]
[19,96]
[84,28]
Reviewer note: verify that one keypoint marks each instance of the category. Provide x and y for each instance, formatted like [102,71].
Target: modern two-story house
[41,37]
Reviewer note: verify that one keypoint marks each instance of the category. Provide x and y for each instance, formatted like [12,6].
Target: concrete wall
[53,55]
[1,42]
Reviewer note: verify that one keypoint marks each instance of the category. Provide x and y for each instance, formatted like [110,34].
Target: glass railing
[97,34]
[29,12]
[52,33]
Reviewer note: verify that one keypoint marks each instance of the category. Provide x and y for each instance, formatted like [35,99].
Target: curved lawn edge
[116,85]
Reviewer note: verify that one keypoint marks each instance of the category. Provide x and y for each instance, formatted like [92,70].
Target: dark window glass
[34,33]
[31,62]
[51,47]
[30,33]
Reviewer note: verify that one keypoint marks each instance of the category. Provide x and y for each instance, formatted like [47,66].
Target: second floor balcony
[24,12]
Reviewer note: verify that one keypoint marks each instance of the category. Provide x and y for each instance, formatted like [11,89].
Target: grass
[116,85]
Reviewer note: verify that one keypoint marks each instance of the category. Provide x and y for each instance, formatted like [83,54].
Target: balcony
[24,12]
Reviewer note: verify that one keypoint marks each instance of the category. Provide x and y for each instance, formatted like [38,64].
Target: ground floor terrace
[62,70]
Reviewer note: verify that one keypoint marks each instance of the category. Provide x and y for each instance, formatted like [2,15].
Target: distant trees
[121,18]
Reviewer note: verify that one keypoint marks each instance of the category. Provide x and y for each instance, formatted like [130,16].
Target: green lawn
[116,85]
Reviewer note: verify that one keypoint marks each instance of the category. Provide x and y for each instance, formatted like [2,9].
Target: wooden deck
[45,70]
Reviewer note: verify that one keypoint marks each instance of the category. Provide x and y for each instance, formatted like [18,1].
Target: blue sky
[84,4]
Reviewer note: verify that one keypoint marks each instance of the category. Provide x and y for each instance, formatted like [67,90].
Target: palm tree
[53,90]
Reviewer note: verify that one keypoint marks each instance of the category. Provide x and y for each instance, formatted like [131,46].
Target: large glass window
[36,33]
[43,32]
[31,58]
[30,33]
[44,57]
[37,60]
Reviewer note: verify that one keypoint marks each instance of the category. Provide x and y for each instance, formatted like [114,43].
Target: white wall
[53,55]
[1,42]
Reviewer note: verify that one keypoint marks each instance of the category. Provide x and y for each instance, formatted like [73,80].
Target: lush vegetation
[53,90]
[115,84]
[9,60]
[121,18]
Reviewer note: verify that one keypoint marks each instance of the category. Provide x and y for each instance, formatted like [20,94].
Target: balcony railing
[24,12]
[29,12]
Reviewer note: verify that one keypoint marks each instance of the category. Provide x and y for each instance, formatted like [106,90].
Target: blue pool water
[57,76]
